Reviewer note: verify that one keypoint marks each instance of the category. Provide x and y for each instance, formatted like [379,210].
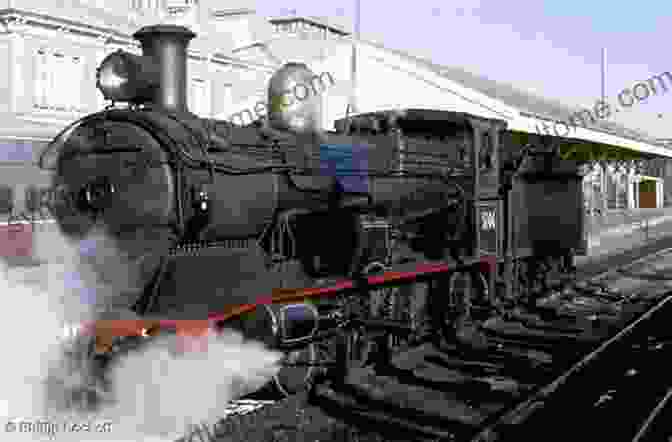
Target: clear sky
[552,48]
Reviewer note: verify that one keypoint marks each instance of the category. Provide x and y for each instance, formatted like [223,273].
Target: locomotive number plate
[488,219]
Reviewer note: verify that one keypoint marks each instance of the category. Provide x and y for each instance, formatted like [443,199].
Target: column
[76,68]
[59,79]
[604,177]
[610,193]
[97,100]
[209,70]
[19,74]
[227,97]
[41,78]
[631,179]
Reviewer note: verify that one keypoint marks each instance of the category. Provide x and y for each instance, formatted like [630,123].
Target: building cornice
[18,21]
[15,21]
[312,21]
[225,13]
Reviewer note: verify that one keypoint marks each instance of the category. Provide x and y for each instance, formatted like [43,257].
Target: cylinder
[282,324]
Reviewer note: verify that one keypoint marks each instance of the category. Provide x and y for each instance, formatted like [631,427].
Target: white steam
[158,392]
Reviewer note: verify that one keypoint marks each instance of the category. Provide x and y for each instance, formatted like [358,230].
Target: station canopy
[594,138]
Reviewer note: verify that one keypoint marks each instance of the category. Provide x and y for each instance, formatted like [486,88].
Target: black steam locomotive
[288,231]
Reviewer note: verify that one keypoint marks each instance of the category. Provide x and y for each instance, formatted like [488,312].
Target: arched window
[6,199]
[32,199]
[199,97]
[58,79]
[41,82]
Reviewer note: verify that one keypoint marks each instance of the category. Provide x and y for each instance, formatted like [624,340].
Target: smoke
[158,390]
[229,368]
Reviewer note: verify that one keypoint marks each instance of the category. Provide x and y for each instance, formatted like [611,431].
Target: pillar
[604,171]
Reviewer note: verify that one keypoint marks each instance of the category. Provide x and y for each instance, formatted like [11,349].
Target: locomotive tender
[258,225]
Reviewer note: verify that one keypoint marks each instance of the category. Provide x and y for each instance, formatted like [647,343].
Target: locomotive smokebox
[167,46]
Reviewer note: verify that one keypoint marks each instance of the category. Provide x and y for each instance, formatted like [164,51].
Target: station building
[49,52]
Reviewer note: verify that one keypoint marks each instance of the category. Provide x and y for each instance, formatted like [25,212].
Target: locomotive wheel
[385,303]
[561,271]
[302,367]
[533,274]
[360,348]
[298,370]
[410,306]
[376,305]
[456,314]
[397,304]
[524,283]
[407,305]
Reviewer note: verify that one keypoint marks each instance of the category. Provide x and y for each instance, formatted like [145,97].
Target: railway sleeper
[416,411]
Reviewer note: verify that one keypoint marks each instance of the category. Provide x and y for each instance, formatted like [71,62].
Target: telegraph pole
[603,95]
[353,73]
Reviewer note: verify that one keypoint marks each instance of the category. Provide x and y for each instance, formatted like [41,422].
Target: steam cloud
[158,391]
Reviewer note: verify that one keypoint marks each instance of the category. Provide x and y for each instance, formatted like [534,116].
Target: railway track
[516,386]
[626,376]
[568,355]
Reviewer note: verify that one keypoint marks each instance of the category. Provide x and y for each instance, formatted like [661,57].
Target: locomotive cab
[463,150]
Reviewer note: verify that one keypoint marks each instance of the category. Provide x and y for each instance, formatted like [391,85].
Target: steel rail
[644,429]
[522,410]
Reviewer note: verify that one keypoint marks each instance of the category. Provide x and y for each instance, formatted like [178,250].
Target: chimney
[167,45]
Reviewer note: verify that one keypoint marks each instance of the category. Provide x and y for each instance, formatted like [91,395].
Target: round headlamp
[126,77]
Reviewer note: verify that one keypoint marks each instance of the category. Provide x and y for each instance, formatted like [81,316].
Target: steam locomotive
[287,231]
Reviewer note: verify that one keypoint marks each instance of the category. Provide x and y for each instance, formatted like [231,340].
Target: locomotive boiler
[257,225]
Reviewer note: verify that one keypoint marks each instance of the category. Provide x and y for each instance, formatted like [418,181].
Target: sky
[550,48]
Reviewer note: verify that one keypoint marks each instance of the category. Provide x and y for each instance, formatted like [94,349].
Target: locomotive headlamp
[127,77]
[292,96]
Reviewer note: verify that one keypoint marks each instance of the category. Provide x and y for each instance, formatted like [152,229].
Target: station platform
[617,231]
[612,233]
[617,221]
